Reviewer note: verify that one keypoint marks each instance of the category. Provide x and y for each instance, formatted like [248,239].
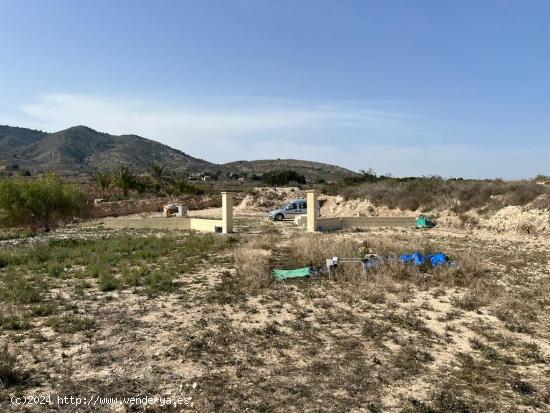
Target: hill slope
[311,170]
[82,149]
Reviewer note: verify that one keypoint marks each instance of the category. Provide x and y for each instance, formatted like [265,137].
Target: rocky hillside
[82,149]
[313,171]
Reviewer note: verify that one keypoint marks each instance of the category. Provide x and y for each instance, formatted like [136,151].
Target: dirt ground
[313,345]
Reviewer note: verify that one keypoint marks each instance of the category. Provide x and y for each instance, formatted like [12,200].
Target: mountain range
[81,149]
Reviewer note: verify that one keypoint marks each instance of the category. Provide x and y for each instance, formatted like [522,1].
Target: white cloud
[223,130]
[356,136]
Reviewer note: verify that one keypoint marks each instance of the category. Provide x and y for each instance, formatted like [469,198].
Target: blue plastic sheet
[437,259]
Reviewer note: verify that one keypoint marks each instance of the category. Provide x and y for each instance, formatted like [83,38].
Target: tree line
[156,180]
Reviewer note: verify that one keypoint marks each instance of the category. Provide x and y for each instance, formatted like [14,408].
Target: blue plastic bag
[438,259]
[416,258]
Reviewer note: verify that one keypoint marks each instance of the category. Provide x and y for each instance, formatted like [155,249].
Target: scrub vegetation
[429,193]
[143,313]
[43,201]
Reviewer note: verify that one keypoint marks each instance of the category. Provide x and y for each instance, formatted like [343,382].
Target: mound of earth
[516,219]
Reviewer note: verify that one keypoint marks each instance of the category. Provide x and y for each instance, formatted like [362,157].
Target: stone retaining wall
[137,206]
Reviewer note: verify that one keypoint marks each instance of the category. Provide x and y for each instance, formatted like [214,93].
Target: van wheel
[279,217]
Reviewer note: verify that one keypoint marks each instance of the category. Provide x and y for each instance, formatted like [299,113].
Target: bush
[43,201]
[252,269]
[278,178]
[429,193]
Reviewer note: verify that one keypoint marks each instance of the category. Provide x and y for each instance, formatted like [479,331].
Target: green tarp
[298,272]
[424,222]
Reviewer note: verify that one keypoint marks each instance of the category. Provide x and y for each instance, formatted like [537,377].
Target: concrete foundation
[180,220]
[197,224]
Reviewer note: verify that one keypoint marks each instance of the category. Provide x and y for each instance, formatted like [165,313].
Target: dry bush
[10,374]
[263,242]
[314,249]
[429,193]
[252,269]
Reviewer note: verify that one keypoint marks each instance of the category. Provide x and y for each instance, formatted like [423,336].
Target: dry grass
[465,338]
[436,193]
[253,272]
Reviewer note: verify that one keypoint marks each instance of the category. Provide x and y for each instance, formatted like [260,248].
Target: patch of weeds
[67,243]
[10,375]
[412,359]
[80,286]
[99,268]
[471,301]
[44,309]
[489,352]
[227,290]
[443,401]
[108,282]
[375,330]
[18,290]
[410,321]
[474,372]
[70,324]
[518,327]
[533,352]
[515,319]
[55,271]
[451,315]
[160,280]
[14,322]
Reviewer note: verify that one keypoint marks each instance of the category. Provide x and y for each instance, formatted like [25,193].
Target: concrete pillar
[227,212]
[312,212]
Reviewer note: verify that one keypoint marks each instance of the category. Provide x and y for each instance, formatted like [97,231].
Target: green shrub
[70,324]
[107,282]
[43,201]
[16,289]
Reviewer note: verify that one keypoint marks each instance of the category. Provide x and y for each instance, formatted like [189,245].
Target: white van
[290,210]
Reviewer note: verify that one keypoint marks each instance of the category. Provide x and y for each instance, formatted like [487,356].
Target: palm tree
[104,181]
[181,185]
[124,179]
[157,174]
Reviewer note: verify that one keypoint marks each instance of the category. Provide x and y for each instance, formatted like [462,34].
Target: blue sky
[454,88]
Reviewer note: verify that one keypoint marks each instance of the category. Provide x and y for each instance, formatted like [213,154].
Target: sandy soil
[316,345]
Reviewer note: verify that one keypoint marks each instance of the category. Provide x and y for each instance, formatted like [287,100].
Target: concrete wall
[198,224]
[224,225]
[136,206]
[206,225]
[354,222]
[336,223]
[329,224]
